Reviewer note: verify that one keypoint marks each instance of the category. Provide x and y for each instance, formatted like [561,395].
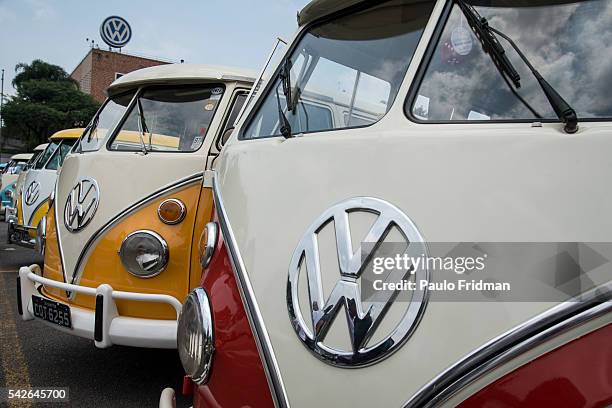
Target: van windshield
[60,154]
[345,72]
[44,157]
[169,118]
[104,122]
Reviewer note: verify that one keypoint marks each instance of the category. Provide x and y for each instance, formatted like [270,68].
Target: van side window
[343,73]
[565,41]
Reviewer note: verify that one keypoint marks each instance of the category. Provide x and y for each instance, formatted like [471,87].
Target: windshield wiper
[490,44]
[91,127]
[142,128]
[285,78]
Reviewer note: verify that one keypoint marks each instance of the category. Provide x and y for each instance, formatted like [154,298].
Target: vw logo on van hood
[363,323]
[32,193]
[81,204]
[115,31]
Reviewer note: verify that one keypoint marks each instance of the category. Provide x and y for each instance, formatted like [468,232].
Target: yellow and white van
[32,198]
[8,178]
[130,205]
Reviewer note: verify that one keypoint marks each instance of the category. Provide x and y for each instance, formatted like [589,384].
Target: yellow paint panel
[40,212]
[52,268]
[19,212]
[104,266]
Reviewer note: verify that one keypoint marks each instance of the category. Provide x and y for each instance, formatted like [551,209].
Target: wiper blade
[489,42]
[285,79]
[142,127]
[486,34]
[92,127]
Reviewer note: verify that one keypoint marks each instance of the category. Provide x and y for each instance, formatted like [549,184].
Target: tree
[47,100]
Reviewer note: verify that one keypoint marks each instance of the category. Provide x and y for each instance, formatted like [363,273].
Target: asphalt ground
[33,354]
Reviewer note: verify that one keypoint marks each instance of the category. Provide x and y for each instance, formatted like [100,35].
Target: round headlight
[195,339]
[41,235]
[144,254]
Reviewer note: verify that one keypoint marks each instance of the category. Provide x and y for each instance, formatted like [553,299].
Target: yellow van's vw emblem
[32,193]
[364,320]
[81,204]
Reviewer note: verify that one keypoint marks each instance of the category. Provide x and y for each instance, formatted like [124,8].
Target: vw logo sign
[364,318]
[32,193]
[81,204]
[115,31]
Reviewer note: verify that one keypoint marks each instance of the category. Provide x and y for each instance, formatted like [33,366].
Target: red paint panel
[237,377]
[578,374]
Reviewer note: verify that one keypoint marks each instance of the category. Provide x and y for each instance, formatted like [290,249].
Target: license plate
[51,311]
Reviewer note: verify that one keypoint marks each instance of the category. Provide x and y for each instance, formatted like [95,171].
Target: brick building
[100,68]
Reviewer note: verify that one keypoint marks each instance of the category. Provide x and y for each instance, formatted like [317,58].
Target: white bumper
[104,325]
[167,399]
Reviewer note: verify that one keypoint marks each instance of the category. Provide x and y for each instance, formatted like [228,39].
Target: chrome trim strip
[247,294]
[524,337]
[122,214]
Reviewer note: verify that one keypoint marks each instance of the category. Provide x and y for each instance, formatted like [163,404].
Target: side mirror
[226,135]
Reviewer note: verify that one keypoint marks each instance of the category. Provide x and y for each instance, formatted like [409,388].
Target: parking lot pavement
[35,355]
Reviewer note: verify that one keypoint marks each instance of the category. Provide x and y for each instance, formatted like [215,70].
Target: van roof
[320,8]
[67,134]
[41,147]
[182,73]
[22,156]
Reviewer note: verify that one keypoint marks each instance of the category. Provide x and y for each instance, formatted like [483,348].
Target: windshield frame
[76,148]
[423,67]
[291,48]
[134,101]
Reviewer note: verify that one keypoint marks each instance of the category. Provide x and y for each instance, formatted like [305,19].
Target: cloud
[41,10]
[568,44]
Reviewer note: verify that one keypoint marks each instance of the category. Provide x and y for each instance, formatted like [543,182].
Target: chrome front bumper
[104,325]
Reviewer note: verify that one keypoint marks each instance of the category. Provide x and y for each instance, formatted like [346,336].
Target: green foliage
[47,100]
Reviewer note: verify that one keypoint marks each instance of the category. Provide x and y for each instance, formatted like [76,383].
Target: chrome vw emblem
[364,321]
[115,31]
[32,193]
[81,204]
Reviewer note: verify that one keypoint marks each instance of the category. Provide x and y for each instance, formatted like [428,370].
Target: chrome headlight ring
[41,235]
[144,254]
[208,243]
[195,336]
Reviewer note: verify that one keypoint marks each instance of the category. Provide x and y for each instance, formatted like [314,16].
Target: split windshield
[105,121]
[44,157]
[171,119]
[343,73]
[60,154]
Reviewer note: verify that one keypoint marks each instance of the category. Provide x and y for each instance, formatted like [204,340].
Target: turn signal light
[171,211]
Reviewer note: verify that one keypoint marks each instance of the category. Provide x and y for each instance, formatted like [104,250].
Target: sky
[221,32]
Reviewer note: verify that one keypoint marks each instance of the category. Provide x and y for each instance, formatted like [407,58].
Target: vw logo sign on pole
[115,31]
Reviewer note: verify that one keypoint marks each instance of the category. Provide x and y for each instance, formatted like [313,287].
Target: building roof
[22,156]
[41,147]
[184,73]
[67,134]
